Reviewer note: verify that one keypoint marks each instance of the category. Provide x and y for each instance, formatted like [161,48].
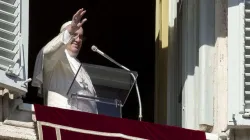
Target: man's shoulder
[57,54]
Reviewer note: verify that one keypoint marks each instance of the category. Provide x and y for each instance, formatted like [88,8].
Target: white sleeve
[66,37]
[60,40]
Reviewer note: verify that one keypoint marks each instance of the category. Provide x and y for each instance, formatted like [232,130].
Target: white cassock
[54,72]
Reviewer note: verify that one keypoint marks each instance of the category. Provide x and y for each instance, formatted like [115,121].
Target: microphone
[95,49]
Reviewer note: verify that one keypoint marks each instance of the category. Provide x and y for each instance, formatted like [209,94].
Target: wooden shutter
[14,44]
[247,59]
[238,107]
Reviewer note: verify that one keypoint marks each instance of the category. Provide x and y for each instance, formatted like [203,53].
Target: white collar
[69,54]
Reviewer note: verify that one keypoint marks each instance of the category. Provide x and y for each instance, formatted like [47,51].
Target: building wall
[220,67]
[240,134]
[161,60]
[220,73]
[195,54]
[220,81]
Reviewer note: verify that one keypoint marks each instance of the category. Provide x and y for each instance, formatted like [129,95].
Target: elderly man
[56,66]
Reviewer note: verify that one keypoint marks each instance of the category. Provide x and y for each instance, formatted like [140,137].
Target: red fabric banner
[100,127]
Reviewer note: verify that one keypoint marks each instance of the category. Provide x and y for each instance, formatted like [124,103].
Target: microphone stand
[73,79]
[94,48]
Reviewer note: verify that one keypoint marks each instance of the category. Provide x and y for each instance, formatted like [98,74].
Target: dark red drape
[110,125]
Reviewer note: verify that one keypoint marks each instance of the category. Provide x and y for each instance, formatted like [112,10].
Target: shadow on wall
[221,19]
[161,65]
[167,80]
[184,30]
[184,58]
[233,3]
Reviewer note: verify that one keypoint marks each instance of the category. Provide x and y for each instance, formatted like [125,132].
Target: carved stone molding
[17,120]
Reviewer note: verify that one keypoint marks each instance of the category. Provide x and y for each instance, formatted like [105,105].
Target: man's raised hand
[77,21]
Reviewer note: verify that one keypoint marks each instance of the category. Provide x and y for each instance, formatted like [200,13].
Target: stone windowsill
[9,132]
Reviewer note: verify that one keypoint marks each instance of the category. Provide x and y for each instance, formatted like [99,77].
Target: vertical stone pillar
[221,71]
[206,51]
[161,60]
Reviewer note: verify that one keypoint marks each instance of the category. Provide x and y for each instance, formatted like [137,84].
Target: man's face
[76,42]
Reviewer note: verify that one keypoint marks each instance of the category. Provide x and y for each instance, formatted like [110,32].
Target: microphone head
[94,48]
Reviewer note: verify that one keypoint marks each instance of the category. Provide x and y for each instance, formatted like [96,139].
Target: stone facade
[16,118]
